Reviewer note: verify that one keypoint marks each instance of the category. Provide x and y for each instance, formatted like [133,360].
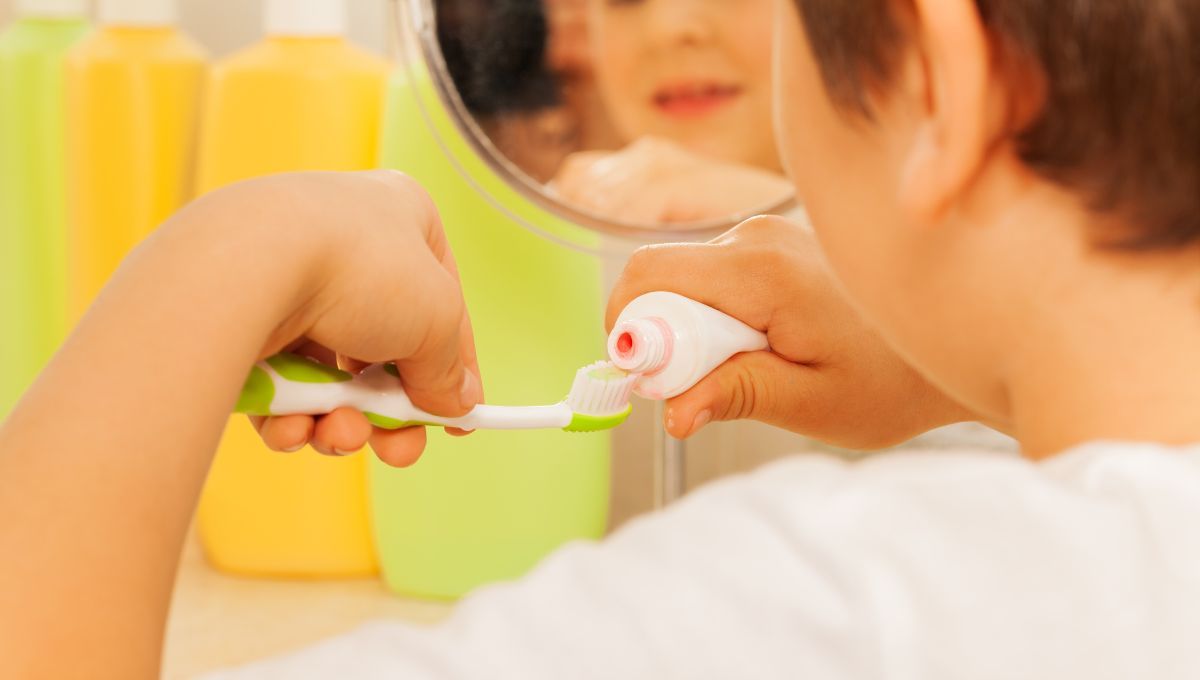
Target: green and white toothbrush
[288,384]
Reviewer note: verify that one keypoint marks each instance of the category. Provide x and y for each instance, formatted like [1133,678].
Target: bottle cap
[306,17]
[136,12]
[641,345]
[52,8]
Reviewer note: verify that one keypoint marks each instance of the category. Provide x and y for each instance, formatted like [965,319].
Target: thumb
[436,376]
[757,386]
[442,386]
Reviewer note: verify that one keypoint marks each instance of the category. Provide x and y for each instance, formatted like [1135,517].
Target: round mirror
[640,119]
[600,125]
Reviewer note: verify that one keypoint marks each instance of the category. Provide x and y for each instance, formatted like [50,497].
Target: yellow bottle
[133,93]
[303,99]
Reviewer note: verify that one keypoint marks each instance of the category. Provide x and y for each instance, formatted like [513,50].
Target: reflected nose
[672,22]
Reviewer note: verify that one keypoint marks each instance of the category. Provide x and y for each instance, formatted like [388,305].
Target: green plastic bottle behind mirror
[488,507]
[33,251]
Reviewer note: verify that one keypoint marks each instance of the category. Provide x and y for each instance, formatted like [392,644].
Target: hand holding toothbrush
[103,460]
[658,181]
[394,296]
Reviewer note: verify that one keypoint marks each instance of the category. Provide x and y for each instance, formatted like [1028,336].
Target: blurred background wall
[223,27]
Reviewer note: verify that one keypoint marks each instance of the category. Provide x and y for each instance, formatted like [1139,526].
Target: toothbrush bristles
[601,389]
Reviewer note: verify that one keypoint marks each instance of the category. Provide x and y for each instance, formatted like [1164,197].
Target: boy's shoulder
[948,467]
[974,499]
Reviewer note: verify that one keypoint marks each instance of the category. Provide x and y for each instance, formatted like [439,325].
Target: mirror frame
[418,18]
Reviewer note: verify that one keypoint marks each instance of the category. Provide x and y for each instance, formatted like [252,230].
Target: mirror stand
[670,463]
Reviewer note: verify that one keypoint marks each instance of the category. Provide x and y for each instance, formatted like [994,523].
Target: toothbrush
[288,384]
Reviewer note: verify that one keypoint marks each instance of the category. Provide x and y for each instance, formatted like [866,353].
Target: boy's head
[697,72]
[961,158]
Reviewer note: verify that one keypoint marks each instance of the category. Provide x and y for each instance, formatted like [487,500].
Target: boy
[1004,189]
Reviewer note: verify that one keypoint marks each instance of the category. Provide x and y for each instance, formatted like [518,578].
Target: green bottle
[33,257]
[487,507]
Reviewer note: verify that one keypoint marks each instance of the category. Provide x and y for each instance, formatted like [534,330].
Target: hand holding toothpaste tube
[827,375]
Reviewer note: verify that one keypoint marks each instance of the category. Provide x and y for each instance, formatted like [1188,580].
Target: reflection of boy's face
[694,71]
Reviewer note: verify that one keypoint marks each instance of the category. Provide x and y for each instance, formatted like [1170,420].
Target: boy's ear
[946,76]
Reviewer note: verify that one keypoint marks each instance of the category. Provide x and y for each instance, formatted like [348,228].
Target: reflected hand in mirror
[657,181]
[687,85]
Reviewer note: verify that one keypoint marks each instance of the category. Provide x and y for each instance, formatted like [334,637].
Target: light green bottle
[487,507]
[33,267]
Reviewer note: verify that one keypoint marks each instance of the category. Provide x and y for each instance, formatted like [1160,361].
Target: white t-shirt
[916,565]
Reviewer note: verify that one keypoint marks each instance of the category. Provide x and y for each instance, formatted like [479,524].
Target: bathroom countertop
[219,620]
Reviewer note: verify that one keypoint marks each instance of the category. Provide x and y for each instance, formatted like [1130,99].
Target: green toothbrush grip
[306,381]
[261,386]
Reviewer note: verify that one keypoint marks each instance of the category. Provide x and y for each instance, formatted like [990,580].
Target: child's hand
[655,181]
[388,290]
[829,375]
[118,433]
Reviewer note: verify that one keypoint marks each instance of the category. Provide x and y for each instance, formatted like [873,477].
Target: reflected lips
[694,99]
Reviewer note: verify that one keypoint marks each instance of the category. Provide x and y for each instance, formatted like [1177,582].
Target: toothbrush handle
[288,384]
[488,417]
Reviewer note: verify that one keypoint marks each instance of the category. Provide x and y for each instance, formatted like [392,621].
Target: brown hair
[1121,121]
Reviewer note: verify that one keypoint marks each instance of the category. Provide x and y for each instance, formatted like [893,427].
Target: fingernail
[295,448]
[702,418]
[340,452]
[469,395]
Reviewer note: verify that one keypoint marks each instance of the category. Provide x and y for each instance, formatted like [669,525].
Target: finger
[607,184]
[695,270]
[575,174]
[342,432]
[286,433]
[466,350]
[619,184]
[758,386]
[399,448]
[350,364]
[598,195]
[419,324]
[434,374]
[740,272]
[462,378]
[440,385]
[313,350]
[740,280]
[466,330]
[650,207]
[470,355]
[418,329]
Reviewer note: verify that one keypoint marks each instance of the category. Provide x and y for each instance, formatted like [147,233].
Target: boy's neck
[1112,353]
